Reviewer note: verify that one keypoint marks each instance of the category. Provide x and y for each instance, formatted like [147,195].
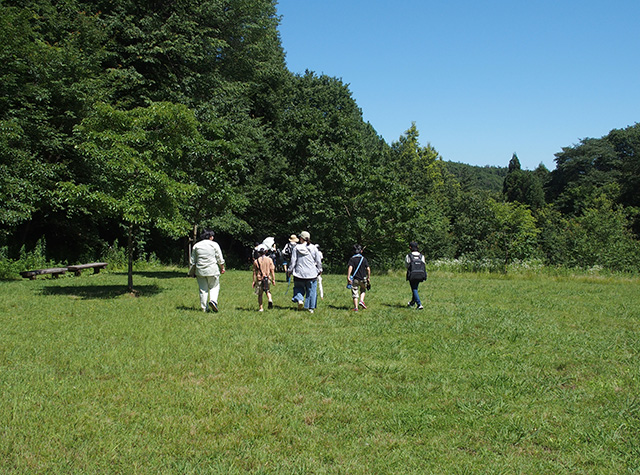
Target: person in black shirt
[358,277]
[416,273]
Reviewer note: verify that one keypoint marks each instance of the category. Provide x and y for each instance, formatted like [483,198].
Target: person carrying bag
[358,277]
[416,273]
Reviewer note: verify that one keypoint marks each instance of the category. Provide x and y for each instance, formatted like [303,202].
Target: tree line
[143,122]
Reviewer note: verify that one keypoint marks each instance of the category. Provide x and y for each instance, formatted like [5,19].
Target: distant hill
[473,177]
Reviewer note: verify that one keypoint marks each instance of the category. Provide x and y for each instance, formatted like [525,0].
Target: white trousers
[209,290]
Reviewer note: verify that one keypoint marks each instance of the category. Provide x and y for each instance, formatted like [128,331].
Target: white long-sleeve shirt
[207,257]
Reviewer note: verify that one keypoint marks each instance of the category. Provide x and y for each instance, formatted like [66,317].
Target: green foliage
[47,74]
[429,190]
[324,173]
[523,186]
[485,228]
[135,159]
[472,177]
[465,264]
[554,239]
[18,190]
[416,165]
[471,224]
[119,116]
[602,237]
[608,165]
[28,260]
[514,234]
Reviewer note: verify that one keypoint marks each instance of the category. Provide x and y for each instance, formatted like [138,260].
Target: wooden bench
[54,271]
[96,266]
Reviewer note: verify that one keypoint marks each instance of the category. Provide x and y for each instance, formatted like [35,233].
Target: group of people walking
[303,263]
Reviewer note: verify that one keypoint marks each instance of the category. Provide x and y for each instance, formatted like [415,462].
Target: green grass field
[498,374]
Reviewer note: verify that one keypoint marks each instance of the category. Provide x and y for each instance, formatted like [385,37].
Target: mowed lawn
[498,374]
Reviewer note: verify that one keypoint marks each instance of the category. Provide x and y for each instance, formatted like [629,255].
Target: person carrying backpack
[287,251]
[416,273]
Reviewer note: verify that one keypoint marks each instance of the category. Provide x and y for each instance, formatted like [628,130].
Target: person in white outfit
[208,264]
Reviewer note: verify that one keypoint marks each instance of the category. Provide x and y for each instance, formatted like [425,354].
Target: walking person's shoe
[270,304]
[355,309]
[310,310]
[213,306]
[300,305]
[363,305]
[410,304]
[420,307]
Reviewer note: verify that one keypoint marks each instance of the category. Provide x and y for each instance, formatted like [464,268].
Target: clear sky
[481,79]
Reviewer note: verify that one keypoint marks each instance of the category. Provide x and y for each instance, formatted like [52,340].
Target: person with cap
[263,271]
[207,263]
[358,277]
[256,253]
[286,253]
[305,267]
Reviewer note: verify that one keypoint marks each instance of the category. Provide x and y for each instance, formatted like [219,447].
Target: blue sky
[481,79]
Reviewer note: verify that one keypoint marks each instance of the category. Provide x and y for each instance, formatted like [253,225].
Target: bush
[29,260]
[465,264]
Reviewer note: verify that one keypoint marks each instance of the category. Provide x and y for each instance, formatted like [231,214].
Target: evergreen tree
[522,186]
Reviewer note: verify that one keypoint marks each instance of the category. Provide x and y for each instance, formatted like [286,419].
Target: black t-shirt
[362,270]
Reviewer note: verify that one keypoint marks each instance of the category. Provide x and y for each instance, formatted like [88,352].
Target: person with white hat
[263,277]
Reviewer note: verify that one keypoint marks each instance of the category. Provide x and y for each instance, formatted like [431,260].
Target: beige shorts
[262,286]
[358,287]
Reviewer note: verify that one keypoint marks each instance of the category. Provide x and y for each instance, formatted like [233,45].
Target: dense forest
[138,123]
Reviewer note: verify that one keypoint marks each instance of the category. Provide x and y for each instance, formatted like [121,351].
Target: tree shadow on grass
[340,307]
[161,274]
[101,291]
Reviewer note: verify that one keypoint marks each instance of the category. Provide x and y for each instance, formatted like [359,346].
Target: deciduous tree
[136,163]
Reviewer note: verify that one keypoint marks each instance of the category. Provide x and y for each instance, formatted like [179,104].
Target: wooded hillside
[146,122]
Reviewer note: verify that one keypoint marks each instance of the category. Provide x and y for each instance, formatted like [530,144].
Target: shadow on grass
[192,309]
[276,308]
[395,305]
[101,291]
[340,307]
[161,274]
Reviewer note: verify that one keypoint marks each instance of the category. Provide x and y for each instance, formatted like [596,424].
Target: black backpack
[288,249]
[417,269]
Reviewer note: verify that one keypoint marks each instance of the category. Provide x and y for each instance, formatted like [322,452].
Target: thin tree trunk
[130,263]
[192,240]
